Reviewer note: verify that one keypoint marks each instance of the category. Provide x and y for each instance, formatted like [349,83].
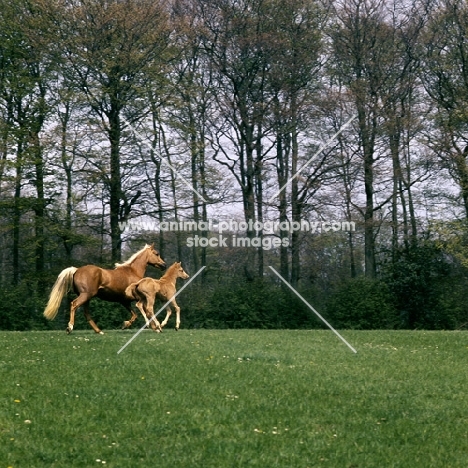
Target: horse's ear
[152,245]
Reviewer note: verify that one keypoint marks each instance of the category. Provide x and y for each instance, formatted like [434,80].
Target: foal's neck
[171,274]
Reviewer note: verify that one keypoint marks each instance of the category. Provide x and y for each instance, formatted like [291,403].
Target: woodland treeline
[119,111]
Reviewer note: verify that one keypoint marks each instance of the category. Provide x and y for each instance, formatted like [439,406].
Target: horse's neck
[139,265]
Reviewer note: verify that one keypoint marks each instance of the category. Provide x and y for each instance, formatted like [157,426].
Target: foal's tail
[130,291]
[61,287]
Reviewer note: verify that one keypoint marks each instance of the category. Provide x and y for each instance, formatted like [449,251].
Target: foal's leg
[177,310]
[168,314]
[149,309]
[141,308]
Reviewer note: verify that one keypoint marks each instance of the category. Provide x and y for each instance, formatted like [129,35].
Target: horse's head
[181,273]
[155,259]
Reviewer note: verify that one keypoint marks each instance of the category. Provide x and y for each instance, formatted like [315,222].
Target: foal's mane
[170,270]
[132,258]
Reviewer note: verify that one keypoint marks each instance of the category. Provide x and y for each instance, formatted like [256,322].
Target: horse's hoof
[101,333]
[69,328]
[125,325]
[68,331]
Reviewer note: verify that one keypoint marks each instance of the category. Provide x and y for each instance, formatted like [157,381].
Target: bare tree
[235,41]
[25,71]
[363,51]
[294,63]
[445,77]
[111,49]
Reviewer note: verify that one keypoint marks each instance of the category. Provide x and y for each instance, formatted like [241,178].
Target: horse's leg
[141,307]
[90,320]
[71,321]
[82,299]
[129,323]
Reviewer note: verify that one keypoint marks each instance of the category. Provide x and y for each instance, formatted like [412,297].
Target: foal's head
[176,271]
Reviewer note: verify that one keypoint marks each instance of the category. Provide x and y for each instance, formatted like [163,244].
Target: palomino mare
[89,281]
[147,290]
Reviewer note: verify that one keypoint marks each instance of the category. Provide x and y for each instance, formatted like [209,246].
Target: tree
[373,47]
[294,66]
[445,77]
[26,69]
[188,113]
[110,50]
[235,41]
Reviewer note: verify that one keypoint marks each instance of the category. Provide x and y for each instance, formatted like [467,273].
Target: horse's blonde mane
[130,260]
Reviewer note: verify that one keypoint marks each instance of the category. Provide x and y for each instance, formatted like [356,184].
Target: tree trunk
[115,186]
[367,137]
[296,205]
[39,209]
[195,178]
[67,167]
[394,143]
[462,174]
[282,174]
[259,197]
[201,168]
[17,212]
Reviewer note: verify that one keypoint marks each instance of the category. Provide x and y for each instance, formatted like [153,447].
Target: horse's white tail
[61,287]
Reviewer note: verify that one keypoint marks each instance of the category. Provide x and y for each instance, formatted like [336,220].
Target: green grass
[234,398]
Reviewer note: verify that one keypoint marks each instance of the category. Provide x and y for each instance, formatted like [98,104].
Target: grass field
[234,398]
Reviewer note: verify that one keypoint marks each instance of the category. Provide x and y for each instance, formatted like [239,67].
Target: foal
[147,290]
